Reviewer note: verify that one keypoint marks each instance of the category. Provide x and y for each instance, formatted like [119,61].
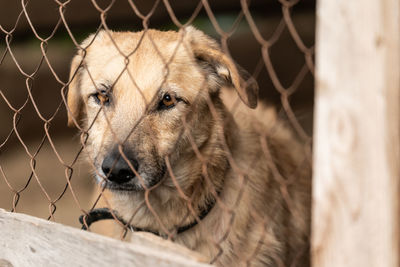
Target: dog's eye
[101,97]
[168,101]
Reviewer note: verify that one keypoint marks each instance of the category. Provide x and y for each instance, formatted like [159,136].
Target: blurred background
[32,85]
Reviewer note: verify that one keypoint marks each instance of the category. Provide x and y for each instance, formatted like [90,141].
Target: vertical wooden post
[357,141]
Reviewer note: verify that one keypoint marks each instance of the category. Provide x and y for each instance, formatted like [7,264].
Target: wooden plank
[30,241]
[356,148]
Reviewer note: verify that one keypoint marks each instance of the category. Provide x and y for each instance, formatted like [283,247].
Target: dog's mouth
[123,187]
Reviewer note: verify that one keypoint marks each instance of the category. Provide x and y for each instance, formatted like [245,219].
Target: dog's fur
[216,147]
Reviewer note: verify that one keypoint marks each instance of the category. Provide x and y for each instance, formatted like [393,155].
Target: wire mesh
[168,156]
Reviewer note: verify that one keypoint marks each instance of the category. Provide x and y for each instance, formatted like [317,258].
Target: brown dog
[160,133]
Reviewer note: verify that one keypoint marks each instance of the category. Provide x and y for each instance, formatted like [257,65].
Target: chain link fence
[169,158]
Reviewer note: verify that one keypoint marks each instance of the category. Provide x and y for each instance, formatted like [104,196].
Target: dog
[177,139]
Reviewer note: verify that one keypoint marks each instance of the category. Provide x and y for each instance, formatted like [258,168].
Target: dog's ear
[74,99]
[208,53]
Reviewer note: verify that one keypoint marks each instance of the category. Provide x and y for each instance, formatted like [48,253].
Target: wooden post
[356,150]
[30,241]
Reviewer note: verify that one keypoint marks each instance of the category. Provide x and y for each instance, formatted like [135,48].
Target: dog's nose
[117,169]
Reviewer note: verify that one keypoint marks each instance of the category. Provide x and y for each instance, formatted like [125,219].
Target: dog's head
[145,96]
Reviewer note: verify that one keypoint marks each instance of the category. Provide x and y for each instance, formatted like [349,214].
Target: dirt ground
[50,173]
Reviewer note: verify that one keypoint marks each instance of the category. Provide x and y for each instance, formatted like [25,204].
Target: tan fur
[244,154]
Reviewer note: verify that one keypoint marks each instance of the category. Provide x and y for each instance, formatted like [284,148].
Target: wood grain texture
[29,241]
[356,148]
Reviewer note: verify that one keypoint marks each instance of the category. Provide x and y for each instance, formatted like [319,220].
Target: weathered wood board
[30,241]
[356,192]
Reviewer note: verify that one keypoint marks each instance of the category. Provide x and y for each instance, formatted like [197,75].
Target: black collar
[105,214]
